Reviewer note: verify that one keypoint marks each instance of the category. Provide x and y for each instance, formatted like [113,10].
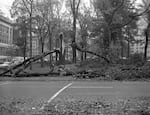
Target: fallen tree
[33,74]
[15,70]
[77,47]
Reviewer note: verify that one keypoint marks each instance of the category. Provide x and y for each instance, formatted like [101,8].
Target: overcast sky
[5,6]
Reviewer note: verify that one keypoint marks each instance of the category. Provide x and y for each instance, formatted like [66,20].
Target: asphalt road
[85,89]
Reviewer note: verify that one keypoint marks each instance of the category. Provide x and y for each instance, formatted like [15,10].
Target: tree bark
[42,51]
[25,41]
[74,9]
[85,55]
[122,51]
[146,41]
[82,54]
[20,67]
[90,52]
[31,36]
[146,45]
[128,48]
[50,46]
[74,38]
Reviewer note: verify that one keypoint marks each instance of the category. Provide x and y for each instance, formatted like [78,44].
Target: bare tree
[74,4]
[146,5]
[24,8]
[84,19]
[29,7]
[41,28]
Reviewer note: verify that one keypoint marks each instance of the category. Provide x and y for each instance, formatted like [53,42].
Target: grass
[98,71]
[13,106]
[36,68]
[72,106]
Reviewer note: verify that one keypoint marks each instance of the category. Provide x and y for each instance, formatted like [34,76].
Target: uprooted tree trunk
[90,52]
[15,70]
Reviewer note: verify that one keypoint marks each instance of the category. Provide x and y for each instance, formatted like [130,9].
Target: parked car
[17,60]
[5,65]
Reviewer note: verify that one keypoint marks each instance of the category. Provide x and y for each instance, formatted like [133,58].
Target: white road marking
[91,87]
[4,83]
[57,93]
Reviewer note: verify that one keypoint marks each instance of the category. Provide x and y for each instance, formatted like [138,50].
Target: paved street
[85,89]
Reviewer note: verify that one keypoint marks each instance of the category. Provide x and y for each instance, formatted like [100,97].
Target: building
[35,45]
[6,36]
[138,46]
[24,35]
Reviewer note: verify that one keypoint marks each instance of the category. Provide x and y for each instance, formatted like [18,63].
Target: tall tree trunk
[129,36]
[24,33]
[106,41]
[75,13]
[57,46]
[67,54]
[74,8]
[146,45]
[24,53]
[82,53]
[25,46]
[61,50]
[122,51]
[42,51]
[146,41]
[50,46]
[85,47]
[128,48]
[85,55]
[74,38]
[74,55]
[31,38]
[56,58]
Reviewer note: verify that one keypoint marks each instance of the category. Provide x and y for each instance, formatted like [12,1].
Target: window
[7,30]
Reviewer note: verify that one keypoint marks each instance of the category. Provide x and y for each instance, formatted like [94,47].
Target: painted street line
[91,87]
[4,83]
[57,93]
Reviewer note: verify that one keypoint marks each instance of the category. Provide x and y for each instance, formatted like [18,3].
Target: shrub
[127,72]
[113,55]
[93,63]
[136,59]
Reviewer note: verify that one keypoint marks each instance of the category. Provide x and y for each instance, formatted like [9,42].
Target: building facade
[35,45]
[24,36]
[6,36]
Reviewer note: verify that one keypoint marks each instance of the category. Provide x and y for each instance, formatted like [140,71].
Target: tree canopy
[111,23]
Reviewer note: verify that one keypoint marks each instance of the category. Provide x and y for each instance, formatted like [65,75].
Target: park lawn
[36,68]
[72,106]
